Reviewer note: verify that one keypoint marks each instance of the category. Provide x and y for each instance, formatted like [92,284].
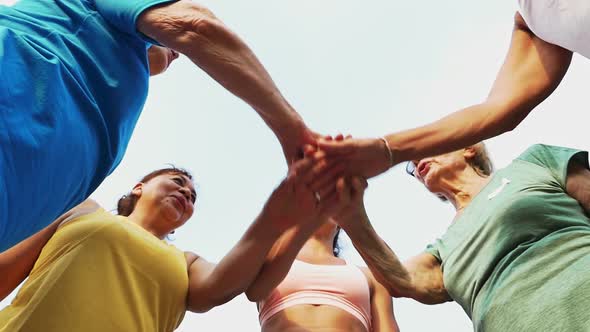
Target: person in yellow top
[91,270]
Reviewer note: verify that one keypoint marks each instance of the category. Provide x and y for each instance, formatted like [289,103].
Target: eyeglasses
[411,168]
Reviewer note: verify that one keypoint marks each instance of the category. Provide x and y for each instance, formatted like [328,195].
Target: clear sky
[361,67]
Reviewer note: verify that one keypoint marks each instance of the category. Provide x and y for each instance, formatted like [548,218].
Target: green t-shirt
[518,259]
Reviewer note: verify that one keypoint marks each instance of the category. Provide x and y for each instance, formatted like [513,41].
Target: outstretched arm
[285,250]
[291,204]
[193,30]
[531,71]
[419,278]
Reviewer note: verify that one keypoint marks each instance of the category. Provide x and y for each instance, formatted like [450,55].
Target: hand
[293,142]
[362,157]
[308,192]
[355,210]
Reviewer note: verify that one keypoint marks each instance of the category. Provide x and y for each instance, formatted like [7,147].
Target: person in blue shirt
[74,79]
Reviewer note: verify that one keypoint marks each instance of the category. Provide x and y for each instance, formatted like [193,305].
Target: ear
[469,152]
[137,189]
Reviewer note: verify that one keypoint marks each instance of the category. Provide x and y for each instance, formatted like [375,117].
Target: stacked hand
[362,157]
[313,188]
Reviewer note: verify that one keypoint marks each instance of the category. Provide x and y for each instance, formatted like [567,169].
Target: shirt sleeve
[123,14]
[556,159]
[433,250]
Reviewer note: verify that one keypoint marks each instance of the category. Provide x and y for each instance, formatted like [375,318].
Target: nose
[186,192]
[411,167]
[175,54]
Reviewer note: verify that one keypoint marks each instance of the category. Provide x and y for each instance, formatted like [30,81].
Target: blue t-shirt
[73,81]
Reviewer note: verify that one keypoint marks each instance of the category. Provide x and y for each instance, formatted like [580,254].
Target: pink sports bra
[342,286]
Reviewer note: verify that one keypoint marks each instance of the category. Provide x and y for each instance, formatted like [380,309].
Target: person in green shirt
[517,254]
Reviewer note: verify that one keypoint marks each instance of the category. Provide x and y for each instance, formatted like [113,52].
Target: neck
[148,221]
[319,245]
[461,190]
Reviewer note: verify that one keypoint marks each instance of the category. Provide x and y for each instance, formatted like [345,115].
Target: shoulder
[520,23]
[87,207]
[544,154]
[190,257]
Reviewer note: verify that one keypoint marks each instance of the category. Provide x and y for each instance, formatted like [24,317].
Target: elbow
[199,28]
[201,302]
[255,296]
[252,297]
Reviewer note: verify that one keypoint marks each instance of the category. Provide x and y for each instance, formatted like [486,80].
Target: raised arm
[194,31]
[279,261]
[285,250]
[292,203]
[17,262]
[420,278]
[531,71]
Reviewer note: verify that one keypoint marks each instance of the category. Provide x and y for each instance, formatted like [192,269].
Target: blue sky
[365,68]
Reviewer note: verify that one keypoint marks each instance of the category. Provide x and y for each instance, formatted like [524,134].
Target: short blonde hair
[481,162]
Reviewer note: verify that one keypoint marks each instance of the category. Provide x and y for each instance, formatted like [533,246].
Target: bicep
[578,184]
[427,279]
[199,272]
[531,71]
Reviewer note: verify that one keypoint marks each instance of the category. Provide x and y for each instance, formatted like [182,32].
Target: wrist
[280,116]
[388,152]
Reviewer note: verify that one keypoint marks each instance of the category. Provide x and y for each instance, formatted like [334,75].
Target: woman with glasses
[95,271]
[516,255]
[545,35]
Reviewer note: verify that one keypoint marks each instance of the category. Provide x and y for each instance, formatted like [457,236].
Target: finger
[318,155]
[359,184]
[343,190]
[300,167]
[309,150]
[328,138]
[326,178]
[349,136]
[329,204]
[339,137]
[310,173]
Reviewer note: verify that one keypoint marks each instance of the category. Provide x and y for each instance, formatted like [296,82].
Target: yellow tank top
[101,273]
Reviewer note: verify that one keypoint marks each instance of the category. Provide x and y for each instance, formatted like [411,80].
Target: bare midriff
[310,317]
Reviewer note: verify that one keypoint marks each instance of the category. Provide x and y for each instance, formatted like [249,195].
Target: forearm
[237,269]
[458,130]
[531,71]
[17,262]
[279,262]
[381,260]
[196,32]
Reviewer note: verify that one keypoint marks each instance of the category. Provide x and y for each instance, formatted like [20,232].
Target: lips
[181,201]
[423,168]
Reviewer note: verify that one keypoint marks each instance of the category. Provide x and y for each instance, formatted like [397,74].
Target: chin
[157,69]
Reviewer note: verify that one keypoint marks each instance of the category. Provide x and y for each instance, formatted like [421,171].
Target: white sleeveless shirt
[565,23]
